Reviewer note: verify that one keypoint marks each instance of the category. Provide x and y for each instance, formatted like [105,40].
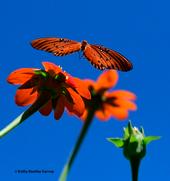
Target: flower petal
[46,109]
[25,97]
[21,76]
[106,80]
[77,106]
[122,94]
[82,88]
[84,115]
[70,80]
[117,112]
[89,82]
[103,115]
[51,68]
[59,109]
[125,104]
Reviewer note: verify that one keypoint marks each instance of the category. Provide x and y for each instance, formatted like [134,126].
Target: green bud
[133,142]
[134,145]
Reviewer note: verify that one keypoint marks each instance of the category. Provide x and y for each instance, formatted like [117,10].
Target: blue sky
[137,29]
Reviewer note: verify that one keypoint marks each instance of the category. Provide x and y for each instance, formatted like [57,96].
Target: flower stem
[135,163]
[67,167]
[31,110]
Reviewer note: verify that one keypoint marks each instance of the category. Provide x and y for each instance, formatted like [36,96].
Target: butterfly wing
[57,46]
[104,58]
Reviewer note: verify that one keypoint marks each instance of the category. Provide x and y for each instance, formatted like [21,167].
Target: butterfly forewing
[57,46]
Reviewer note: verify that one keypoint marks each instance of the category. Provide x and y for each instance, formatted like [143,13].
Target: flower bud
[133,142]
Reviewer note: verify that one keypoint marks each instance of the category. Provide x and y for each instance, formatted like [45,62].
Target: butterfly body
[99,56]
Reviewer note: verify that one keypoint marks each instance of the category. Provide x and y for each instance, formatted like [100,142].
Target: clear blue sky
[137,29]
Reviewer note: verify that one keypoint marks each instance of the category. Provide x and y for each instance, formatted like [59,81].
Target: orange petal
[116,112]
[122,94]
[21,76]
[77,106]
[59,109]
[102,115]
[70,80]
[51,68]
[84,115]
[89,82]
[106,80]
[46,109]
[126,104]
[25,97]
[82,88]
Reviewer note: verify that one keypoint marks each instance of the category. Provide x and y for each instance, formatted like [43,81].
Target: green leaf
[148,139]
[118,142]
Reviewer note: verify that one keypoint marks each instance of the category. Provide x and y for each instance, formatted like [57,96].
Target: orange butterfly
[100,57]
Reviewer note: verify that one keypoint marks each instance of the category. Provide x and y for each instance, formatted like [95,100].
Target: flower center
[53,85]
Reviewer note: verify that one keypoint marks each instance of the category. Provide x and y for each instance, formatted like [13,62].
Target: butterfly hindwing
[57,46]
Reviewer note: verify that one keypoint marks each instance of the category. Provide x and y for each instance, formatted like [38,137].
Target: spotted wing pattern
[57,46]
[99,56]
[104,58]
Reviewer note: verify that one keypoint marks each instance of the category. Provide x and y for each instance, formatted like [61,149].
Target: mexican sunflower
[107,104]
[56,86]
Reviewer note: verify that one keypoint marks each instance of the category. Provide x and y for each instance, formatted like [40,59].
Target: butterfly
[99,56]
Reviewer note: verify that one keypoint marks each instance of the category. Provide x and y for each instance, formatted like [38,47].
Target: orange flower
[108,104]
[57,87]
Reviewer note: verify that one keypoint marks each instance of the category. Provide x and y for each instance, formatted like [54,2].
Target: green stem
[135,163]
[67,167]
[31,110]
